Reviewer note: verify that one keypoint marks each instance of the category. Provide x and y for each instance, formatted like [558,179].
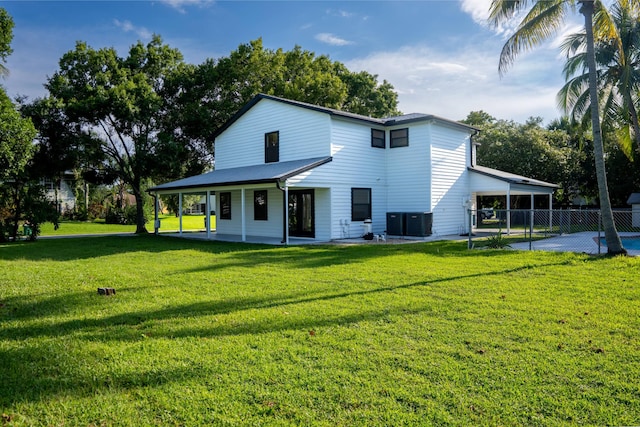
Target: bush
[498,241]
[115,216]
[122,216]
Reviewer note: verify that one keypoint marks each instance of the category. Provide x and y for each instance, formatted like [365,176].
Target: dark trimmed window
[271,147]
[360,204]
[260,205]
[225,205]
[399,138]
[377,138]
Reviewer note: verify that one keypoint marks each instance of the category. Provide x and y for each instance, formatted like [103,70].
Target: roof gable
[389,121]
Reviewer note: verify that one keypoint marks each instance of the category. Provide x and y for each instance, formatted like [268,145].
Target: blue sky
[440,56]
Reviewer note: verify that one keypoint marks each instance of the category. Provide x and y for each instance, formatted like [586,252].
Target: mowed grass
[168,223]
[206,333]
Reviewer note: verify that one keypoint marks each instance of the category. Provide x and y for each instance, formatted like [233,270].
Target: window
[399,138]
[360,204]
[260,205]
[49,184]
[271,150]
[225,205]
[377,138]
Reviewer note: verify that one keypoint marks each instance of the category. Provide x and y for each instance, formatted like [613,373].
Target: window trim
[394,141]
[260,213]
[377,138]
[272,154]
[353,204]
[223,202]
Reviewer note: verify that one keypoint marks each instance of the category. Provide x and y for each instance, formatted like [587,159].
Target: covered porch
[252,204]
[492,182]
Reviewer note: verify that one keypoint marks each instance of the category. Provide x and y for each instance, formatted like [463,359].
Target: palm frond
[543,20]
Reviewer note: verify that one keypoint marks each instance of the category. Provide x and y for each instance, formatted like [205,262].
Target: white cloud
[340,13]
[478,9]
[180,5]
[128,27]
[332,39]
[452,84]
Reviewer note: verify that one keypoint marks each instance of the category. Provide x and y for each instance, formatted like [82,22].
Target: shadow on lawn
[52,363]
[227,254]
[128,326]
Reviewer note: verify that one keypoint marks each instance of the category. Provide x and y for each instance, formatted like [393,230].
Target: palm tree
[618,74]
[543,19]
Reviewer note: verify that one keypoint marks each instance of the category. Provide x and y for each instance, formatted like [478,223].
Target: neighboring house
[336,169]
[60,192]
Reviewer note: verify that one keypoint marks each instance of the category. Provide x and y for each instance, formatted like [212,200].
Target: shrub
[498,241]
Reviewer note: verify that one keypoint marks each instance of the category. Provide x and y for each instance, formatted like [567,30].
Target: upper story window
[271,147]
[399,138]
[377,138]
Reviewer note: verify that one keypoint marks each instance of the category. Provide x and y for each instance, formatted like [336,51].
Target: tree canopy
[6,37]
[209,94]
[150,115]
[552,155]
[543,19]
[120,103]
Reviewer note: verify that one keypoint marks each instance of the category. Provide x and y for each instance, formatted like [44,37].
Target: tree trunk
[140,219]
[614,244]
[17,203]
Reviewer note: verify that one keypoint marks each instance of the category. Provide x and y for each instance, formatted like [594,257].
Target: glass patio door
[301,213]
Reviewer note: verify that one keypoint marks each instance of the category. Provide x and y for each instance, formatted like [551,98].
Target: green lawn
[168,223]
[211,333]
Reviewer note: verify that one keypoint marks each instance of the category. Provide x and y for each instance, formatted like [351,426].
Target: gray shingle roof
[634,199]
[269,172]
[388,121]
[510,177]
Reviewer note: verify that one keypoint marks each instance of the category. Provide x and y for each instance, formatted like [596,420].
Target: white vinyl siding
[429,175]
[450,180]
[303,134]
[409,173]
[270,228]
[355,164]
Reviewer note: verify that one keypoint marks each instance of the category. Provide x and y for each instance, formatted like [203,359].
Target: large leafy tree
[21,197]
[531,150]
[6,36]
[543,19]
[122,103]
[212,92]
[16,150]
[617,55]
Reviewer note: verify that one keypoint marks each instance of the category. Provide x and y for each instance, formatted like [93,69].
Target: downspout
[285,212]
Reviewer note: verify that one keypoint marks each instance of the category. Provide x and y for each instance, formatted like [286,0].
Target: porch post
[244,222]
[509,209]
[208,214]
[531,216]
[550,213]
[286,214]
[180,213]
[156,208]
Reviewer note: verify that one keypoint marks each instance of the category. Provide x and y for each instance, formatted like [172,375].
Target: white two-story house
[288,169]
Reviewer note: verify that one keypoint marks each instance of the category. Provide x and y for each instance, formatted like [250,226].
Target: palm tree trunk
[614,244]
